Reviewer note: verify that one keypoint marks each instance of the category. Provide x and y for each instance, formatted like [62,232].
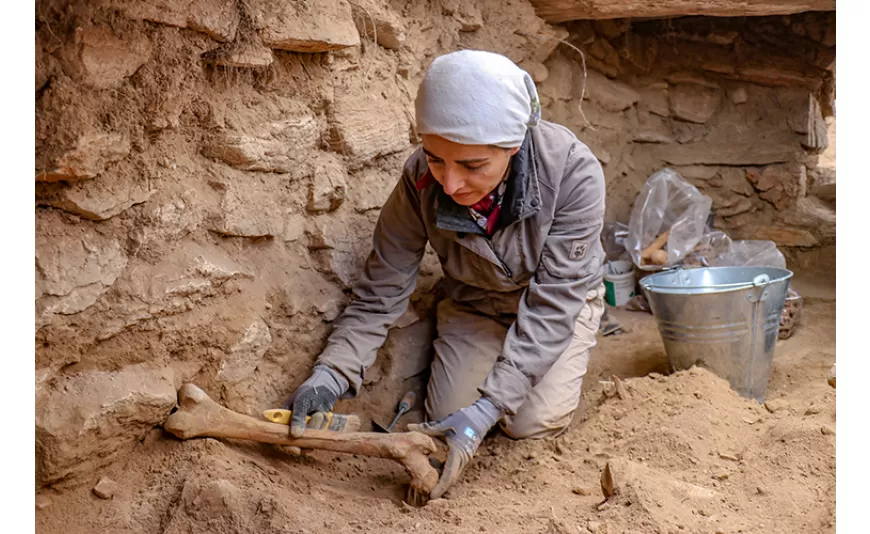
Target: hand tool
[404,407]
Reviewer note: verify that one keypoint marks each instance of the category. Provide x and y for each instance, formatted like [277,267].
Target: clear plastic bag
[667,203]
[613,240]
[712,245]
[751,254]
[716,249]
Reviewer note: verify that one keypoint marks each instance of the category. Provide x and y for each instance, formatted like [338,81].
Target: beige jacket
[537,267]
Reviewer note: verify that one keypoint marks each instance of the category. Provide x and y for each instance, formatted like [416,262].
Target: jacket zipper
[502,263]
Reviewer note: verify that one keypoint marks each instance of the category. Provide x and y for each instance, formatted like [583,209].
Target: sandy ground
[688,455]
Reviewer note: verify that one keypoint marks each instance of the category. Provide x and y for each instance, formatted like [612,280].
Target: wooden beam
[557,11]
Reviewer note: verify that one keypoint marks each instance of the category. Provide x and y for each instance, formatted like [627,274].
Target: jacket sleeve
[381,295]
[571,262]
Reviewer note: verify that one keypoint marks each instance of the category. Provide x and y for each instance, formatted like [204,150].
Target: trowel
[404,407]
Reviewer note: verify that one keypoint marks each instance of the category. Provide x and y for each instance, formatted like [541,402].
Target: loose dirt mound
[686,453]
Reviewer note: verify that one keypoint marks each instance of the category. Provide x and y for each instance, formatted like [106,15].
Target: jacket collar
[522,196]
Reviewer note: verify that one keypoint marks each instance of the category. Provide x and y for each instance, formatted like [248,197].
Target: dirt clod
[106,488]
[776,405]
[42,502]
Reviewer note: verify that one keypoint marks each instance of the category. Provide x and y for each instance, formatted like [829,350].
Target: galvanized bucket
[725,319]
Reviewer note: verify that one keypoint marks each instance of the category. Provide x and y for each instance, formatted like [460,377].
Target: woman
[514,208]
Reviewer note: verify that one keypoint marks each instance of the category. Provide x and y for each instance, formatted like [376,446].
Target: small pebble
[812,410]
[42,502]
[828,431]
[581,491]
[593,526]
[776,405]
[731,457]
[105,488]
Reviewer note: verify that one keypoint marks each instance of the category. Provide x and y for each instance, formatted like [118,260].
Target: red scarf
[487,208]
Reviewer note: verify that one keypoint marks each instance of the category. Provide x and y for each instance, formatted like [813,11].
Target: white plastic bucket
[618,282]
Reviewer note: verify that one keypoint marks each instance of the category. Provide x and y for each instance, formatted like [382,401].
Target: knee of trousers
[530,426]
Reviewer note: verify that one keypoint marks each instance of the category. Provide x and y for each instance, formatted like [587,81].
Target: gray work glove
[463,431]
[316,395]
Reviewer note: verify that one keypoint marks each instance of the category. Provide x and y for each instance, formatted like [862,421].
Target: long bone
[199,416]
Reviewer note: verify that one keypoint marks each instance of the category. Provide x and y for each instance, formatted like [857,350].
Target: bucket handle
[761,280]
[761,292]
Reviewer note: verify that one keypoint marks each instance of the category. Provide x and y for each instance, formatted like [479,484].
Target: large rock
[74,267]
[654,99]
[783,236]
[103,60]
[370,189]
[304,27]
[272,139]
[263,153]
[558,11]
[691,78]
[245,55]
[328,186]
[219,19]
[99,199]
[652,129]
[367,124]
[88,420]
[379,23]
[609,94]
[175,285]
[734,180]
[467,14]
[340,244]
[91,155]
[294,227]
[307,292]
[822,177]
[694,103]
[719,153]
[176,214]
[812,214]
[249,207]
[602,50]
[781,185]
[779,76]
[245,355]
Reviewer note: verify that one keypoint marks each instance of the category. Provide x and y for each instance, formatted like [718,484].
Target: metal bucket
[725,319]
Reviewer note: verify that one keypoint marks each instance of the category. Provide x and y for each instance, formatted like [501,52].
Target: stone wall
[742,108]
[209,173]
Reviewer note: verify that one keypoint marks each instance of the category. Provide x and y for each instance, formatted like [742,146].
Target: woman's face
[466,172]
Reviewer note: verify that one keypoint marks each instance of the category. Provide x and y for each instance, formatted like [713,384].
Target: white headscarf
[474,97]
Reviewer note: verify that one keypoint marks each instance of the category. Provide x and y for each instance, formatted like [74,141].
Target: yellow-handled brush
[335,422]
